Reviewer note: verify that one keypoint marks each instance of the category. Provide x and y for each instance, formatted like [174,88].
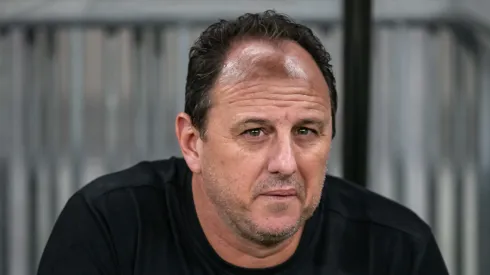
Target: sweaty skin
[269,129]
[266,62]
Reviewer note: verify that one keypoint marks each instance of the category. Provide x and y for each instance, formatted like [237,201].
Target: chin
[274,221]
[279,225]
[273,233]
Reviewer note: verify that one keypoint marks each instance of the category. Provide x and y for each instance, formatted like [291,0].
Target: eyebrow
[255,121]
[240,125]
[317,122]
[265,122]
[260,121]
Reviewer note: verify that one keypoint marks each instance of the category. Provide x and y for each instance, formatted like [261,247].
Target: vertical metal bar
[397,88]
[446,184]
[375,168]
[111,83]
[17,197]
[64,182]
[468,257]
[155,95]
[3,215]
[31,99]
[483,160]
[176,41]
[125,118]
[150,77]
[357,55]
[94,111]
[77,52]
[412,114]
[42,72]
[458,155]
[140,94]
[432,127]
[465,154]
[143,107]
[183,58]
[162,124]
[380,163]
[169,39]
[32,137]
[183,43]
[5,139]
[53,122]
[136,37]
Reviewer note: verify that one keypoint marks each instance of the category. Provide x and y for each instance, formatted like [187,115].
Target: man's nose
[282,159]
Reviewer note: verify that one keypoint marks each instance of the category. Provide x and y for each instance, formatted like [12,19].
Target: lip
[281,192]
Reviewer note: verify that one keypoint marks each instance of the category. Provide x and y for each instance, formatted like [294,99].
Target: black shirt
[142,221]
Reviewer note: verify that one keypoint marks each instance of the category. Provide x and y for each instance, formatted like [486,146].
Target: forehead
[273,80]
[258,60]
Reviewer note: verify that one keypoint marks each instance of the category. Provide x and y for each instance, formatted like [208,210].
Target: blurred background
[89,87]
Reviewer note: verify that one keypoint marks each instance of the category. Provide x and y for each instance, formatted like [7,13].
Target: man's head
[258,123]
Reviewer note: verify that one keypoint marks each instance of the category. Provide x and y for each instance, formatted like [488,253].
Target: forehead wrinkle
[280,105]
[273,97]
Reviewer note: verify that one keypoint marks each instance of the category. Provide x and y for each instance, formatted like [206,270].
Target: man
[250,195]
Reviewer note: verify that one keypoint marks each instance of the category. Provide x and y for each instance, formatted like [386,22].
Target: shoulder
[116,214]
[146,177]
[360,205]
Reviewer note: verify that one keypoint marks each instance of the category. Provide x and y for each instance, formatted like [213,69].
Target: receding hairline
[270,60]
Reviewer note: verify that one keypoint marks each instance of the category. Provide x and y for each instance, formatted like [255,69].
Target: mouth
[281,193]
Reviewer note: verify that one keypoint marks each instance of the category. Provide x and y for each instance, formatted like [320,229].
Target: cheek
[234,171]
[313,166]
[314,183]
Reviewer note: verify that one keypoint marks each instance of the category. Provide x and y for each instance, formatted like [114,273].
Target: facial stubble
[236,214]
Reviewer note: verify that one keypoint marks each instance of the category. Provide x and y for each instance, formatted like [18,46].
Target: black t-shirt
[142,221]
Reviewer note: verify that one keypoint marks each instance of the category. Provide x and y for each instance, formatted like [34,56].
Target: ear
[188,138]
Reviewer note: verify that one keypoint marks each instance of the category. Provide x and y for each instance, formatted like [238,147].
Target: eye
[305,131]
[256,132]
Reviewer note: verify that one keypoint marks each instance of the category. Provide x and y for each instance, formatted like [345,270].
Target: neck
[230,246]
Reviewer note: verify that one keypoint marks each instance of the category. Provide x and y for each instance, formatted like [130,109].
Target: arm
[78,244]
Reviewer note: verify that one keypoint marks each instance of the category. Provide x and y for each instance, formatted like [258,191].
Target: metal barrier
[92,93]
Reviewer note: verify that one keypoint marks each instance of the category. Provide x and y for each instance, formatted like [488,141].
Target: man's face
[267,141]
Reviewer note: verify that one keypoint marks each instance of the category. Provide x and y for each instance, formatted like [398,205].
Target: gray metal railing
[88,88]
